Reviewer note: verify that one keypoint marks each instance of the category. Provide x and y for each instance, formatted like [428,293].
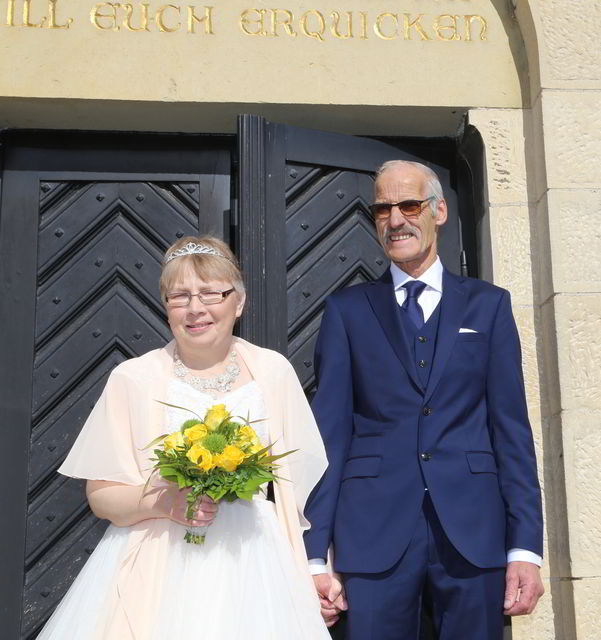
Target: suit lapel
[381,297]
[452,311]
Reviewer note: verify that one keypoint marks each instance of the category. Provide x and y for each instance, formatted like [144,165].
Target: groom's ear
[440,213]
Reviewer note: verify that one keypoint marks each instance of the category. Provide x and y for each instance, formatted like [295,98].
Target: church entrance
[84,221]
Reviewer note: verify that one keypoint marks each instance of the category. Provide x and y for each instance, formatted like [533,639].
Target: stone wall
[544,185]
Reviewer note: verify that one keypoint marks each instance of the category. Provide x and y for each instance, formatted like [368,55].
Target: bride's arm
[125,505]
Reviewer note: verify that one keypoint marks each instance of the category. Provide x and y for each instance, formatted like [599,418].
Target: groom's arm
[511,434]
[516,461]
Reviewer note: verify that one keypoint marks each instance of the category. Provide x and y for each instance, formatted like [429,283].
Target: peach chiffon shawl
[126,418]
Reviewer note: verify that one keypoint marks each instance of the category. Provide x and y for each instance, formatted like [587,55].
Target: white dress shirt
[428,300]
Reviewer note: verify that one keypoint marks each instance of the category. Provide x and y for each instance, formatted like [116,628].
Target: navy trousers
[467,601]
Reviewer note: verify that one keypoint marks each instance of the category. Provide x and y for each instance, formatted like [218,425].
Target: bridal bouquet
[217,456]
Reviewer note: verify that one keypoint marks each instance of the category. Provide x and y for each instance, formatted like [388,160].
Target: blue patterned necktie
[411,306]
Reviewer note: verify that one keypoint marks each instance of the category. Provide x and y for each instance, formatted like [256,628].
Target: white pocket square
[466,330]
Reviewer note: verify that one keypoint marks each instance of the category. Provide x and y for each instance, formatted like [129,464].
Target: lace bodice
[245,401]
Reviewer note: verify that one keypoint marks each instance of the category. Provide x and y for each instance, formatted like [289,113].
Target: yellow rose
[256,448]
[196,432]
[215,416]
[246,435]
[173,440]
[201,457]
[231,457]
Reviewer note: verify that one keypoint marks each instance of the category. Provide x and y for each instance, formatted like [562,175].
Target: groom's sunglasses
[409,208]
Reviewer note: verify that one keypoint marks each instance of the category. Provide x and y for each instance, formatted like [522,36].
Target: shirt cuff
[317,566]
[522,555]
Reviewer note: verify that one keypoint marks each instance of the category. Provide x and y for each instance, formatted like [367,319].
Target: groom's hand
[331,596]
[523,588]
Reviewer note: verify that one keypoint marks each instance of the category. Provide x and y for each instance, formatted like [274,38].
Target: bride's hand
[172,503]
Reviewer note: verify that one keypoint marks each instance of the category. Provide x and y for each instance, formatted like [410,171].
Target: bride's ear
[240,303]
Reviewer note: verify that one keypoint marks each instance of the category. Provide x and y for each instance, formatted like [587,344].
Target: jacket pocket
[481,461]
[368,467]
[472,337]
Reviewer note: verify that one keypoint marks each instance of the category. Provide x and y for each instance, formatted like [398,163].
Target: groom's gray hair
[433,182]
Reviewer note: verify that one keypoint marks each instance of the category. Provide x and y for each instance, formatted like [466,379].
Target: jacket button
[422,363]
[422,339]
[425,457]
[427,411]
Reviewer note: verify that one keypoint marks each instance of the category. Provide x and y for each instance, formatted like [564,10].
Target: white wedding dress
[243,583]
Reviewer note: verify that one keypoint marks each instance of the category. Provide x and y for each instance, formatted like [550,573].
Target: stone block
[578,330]
[575,237]
[572,129]
[582,443]
[587,602]
[539,624]
[526,324]
[502,131]
[568,43]
[512,266]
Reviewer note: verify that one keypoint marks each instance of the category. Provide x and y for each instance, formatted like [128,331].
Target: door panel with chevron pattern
[93,302]
[331,243]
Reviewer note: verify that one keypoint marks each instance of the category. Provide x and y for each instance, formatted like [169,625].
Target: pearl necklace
[221,382]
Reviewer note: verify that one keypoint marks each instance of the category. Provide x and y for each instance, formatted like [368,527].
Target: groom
[432,478]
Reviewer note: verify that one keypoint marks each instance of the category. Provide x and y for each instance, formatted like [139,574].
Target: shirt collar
[432,276]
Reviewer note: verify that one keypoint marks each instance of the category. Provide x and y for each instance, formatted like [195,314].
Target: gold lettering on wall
[286,22]
[279,22]
[27,14]
[52,23]
[392,33]
[468,27]
[363,25]
[10,13]
[319,20]
[449,29]
[336,25]
[416,24]
[245,21]
[143,20]
[159,18]
[206,20]
[105,21]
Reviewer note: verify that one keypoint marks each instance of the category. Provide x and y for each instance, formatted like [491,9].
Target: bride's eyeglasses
[183,298]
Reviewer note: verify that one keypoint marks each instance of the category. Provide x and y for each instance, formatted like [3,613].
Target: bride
[249,580]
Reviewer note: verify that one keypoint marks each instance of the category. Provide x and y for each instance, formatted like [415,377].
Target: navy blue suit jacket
[377,421]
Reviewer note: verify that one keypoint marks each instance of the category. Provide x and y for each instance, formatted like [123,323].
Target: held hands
[331,596]
[523,588]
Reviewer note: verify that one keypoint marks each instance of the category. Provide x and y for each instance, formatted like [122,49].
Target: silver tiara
[191,249]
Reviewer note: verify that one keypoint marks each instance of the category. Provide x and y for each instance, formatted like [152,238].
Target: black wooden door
[303,198]
[84,223]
